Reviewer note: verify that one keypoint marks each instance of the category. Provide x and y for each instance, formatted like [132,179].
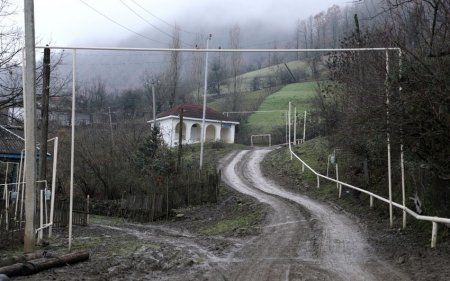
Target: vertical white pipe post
[154,104]
[45,203]
[52,199]
[41,215]
[371,201]
[286,128]
[7,206]
[203,129]
[19,180]
[304,128]
[434,234]
[402,166]
[318,182]
[295,125]
[72,148]
[388,140]
[289,130]
[5,195]
[29,63]
[22,200]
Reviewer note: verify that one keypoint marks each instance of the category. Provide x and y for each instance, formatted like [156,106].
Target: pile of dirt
[405,247]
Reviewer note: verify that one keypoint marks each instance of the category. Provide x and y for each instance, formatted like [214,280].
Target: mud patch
[191,246]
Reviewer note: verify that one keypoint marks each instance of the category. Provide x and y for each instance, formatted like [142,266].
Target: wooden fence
[79,216]
[165,194]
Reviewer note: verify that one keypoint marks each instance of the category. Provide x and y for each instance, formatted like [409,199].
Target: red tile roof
[194,111]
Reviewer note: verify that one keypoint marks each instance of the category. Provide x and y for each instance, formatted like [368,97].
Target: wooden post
[44,114]
[87,209]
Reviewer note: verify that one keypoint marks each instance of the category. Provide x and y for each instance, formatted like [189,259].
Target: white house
[218,126]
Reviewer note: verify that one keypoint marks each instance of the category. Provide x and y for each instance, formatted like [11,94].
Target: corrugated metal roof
[194,111]
[10,143]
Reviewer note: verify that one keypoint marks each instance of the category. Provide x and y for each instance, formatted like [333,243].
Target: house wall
[215,131]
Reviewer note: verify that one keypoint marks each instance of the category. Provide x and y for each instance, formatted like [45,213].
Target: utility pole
[29,62]
[44,115]
[203,131]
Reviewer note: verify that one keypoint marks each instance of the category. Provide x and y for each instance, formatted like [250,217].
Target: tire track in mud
[304,239]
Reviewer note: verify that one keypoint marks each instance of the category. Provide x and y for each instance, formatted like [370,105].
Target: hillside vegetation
[299,94]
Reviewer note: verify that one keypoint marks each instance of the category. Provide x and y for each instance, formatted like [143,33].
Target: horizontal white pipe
[409,211]
[43,227]
[258,111]
[216,50]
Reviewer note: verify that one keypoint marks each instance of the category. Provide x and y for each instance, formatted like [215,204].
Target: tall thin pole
[154,106]
[295,125]
[72,148]
[30,126]
[52,199]
[388,140]
[289,129]
[401,142]
[304,128]
[203,131]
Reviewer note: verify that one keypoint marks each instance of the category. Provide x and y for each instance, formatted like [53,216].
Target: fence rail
[166,194]
[406,210]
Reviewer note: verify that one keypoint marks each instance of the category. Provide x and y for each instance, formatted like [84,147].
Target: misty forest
[370,118]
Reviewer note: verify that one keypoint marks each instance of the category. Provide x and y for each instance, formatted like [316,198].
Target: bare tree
[173,72]
[235,66]
[197,70]
[10,46]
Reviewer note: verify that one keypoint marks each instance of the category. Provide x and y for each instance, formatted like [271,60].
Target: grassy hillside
[249,101]
[299,94]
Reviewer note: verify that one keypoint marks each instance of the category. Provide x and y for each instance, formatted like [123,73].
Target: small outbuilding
[218,126]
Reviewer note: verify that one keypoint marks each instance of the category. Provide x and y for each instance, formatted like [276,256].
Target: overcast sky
[66,22]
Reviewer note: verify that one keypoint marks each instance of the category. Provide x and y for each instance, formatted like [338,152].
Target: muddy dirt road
[304,240]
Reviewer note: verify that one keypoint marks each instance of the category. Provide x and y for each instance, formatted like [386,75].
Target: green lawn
[299,94]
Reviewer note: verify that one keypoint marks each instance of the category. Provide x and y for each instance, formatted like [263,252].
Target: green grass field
[299,94]
[249,101]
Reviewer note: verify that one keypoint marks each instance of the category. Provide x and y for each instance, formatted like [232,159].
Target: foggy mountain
[122,70]
[126,70]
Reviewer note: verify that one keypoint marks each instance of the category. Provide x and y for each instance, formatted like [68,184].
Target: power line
[117,23]
[152,25]
[160,19]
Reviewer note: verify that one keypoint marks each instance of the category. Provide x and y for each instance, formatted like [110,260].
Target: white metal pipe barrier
[74,50]
[20,190]
[372,195]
